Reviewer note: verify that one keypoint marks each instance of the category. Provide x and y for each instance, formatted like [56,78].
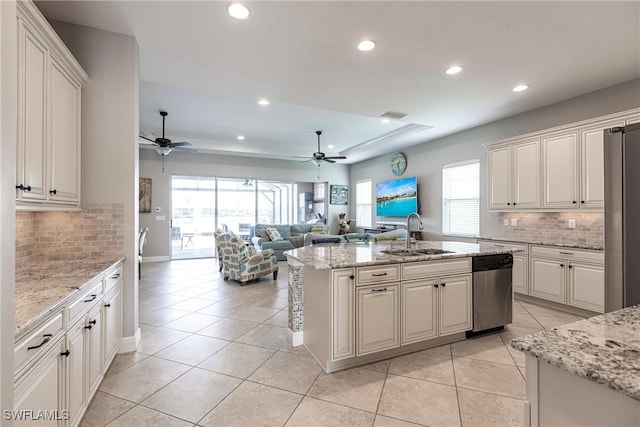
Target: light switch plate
[506,222]
[514,222]
[572,223]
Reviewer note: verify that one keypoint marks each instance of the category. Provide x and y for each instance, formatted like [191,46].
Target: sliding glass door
[193,222]
[237,205]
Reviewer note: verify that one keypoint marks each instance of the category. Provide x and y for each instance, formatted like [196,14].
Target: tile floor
[216,354]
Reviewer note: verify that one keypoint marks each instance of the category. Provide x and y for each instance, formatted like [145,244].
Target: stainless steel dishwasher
[492,292]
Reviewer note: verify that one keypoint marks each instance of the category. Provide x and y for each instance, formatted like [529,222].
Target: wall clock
[398,164]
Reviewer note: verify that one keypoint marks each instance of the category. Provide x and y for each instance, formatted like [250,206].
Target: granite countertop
[604,349]
[546,243]
[360,254]
[44,286]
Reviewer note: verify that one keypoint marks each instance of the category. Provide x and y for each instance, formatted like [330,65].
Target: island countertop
[44,286]
[604,349]
[344,255]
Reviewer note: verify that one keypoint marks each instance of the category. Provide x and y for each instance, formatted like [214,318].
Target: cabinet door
[32,105]
[76,401]
[526,174]
[343,314]
[520,274]
[42,388]
[94,349]
[547,279]
[455,304]
[499,187]
[419,305]
[378,318]
[560,171]
[586,286]
[65,138]
[113,324]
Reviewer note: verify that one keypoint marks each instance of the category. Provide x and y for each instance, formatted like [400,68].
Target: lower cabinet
[520,273]
[378,326]
[455,304]
[548,279]
[112,324]
[76,394]
[342,314]
[586,286]
[93,349]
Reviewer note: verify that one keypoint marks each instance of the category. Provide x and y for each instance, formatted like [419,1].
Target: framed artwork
[339,195]
[145,195]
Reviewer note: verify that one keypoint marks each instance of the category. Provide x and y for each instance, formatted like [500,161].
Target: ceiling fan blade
[148,139]
[328,160]
[336,157]
[185,149]
[302,157]
[178,144]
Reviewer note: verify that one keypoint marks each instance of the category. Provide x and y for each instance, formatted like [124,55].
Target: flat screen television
[397,198]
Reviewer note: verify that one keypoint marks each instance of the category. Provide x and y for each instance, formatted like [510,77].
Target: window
[363,203]
[461,199]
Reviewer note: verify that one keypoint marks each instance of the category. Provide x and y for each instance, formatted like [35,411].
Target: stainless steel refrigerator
[622,216]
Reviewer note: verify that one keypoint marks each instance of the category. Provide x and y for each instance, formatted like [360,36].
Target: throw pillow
[274,234]
[262,232]
[297,241]
[318,229]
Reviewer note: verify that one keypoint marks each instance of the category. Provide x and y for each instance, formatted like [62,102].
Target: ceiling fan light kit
[164,146]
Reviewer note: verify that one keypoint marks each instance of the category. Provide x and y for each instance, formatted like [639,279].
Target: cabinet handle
[115,276]
[582,201]
[93,322]
[379,274]
[88,327]
[20,187]
[66,353]
[27,188]
[54,191]
[352,277]
[379,290]
[107,305]
[435,286]
[565,253]
[443,284]
[47,338]
[561,265]
[93,298]
[574,202]
[570,266]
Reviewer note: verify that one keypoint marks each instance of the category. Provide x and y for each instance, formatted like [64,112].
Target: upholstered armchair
[216,235]
[242,262]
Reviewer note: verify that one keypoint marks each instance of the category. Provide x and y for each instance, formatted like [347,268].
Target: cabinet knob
[561,265]
[435,286]
[66,353]
[352,277]
[20,187]
[92,322]
[514,203]
[508,204]
[88,327]
[574,202]
[570,266]
[582,201]
[27,188]
[443,284]
[54,191]
[107,305]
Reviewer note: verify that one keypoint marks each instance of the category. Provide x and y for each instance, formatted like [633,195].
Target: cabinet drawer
[38,341]
[112,278]
[568,253]
[413,270]
[507,244]
[84,302]
[378,274]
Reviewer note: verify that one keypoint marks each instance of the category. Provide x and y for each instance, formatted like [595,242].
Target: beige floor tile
[238,360]
[193,292]
[287,371]
[192,322]
[358,388]
[228,329]
[272,302]
[490,348]
[253,314]
[382,421]
[160,316]
[313,412]
[489,377]
[191,304]
[418,401]
[550,322]
[536,310]
[281,319]
[140,417]
[266,336]
[483,409]
[512,331]
[144,327]
[193,349]
[141,380]
[158,339]
[193,395]
[123,361]
[425,365]
[103,409]
[381,366]
[523,320]
[253,404]
[517,355]
[300,350]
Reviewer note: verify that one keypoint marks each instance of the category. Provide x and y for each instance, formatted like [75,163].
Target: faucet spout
[411,215]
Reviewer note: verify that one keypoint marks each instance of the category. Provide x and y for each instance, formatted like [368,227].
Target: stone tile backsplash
[96,232]
[553,227]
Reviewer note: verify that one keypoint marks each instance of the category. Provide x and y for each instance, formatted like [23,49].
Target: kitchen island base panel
[555,397]
[576,311]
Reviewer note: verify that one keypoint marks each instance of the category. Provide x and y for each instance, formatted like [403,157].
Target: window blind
[461,199]
[363,203]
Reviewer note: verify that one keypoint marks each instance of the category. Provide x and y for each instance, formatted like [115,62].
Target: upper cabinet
[50,82]
[554,170]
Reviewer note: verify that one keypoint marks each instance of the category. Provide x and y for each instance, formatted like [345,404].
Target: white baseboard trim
[296,338]
[130,344]
[155,258]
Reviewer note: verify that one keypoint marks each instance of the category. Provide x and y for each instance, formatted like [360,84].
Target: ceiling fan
[164,146]
[319,157]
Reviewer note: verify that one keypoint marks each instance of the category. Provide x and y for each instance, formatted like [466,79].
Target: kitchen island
[356,303]
[584,373]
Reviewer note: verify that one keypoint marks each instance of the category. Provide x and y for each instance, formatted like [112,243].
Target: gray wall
[110,136]
[426,160]
[158,244]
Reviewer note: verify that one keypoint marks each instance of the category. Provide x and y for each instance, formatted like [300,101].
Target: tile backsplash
[96,232]
[553,227]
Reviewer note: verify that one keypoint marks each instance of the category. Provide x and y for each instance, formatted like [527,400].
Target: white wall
[8,108]
[200,164]
[109,136]
[426,160]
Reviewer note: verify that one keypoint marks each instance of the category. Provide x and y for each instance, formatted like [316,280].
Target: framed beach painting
[339,195]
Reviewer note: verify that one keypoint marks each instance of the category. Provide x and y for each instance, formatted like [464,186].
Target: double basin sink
[416,252]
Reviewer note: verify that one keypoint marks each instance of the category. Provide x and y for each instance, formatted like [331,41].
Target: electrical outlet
[572,223]
[514,222]
[506,222]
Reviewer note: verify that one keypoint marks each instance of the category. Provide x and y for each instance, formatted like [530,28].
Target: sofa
[292,236]
[391,235]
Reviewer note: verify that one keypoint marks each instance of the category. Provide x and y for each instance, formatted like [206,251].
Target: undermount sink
[415,252]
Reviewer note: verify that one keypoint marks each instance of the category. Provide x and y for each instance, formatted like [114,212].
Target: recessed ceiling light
[366,45]
[238,11]
[385,121]
[263,102]
[454,69]
[329,146]
[240,137]
[520,88]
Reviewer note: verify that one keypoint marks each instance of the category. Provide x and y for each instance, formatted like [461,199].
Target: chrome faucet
[408,244]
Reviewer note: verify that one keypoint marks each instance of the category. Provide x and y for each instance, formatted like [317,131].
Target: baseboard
[130,344]
[296,338]
[155,258]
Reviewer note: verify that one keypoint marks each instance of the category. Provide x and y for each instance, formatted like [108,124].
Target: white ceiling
[208,69]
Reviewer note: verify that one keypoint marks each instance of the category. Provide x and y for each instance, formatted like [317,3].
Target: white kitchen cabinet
[520,281]
[378,325]
[419,310]
[112,323]
[560,170]
[343,314]
[93,349]
[75,390]
[455,304]
[500,181]
[514,176]
[548,279]
[586,286]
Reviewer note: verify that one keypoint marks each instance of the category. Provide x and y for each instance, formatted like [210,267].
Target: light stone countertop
[539,242]
[343,255]
[45,286]
[604,349]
